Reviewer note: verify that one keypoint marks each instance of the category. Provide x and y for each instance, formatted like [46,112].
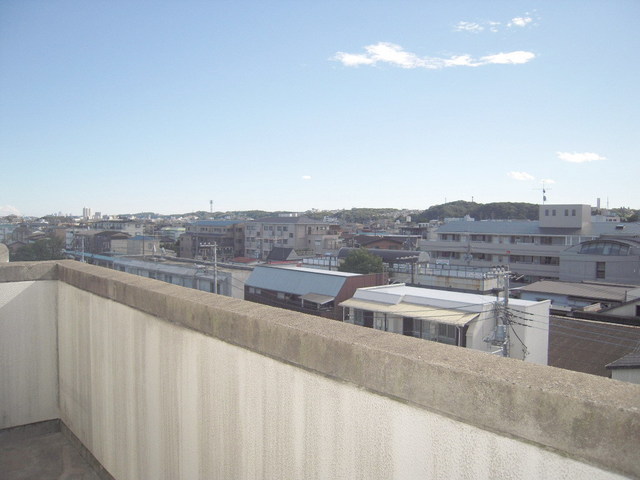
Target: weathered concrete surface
[28,350]
[27,271]
[585,417]
[4,253]
[41,453]
[151,399]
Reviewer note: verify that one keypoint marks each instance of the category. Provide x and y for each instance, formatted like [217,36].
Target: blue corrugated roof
[297,281]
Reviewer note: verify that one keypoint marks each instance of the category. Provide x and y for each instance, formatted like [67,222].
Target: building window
[600,269]
[566,212]
[553,212]
[546,212]
[573,212]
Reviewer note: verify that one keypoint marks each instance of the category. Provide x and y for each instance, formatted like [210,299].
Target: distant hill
[479,211]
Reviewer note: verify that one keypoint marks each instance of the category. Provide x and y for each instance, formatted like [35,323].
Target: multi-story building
[200,237]
[531,248]
[303,234]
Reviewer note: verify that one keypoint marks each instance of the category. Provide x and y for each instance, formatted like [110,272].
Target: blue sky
[162,106]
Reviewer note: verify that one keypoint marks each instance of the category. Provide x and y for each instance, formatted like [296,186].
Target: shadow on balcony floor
[42,454]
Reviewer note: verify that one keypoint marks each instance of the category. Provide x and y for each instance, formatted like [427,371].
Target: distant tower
[598,202]
[86,213]
[211,206]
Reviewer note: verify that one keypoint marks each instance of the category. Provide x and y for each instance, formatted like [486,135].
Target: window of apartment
[546,240]
[281,296]
[546,212]
[553,212]
[285,229]
[291,235]
[600,270]
[637,310]
[566,212]
[573,212]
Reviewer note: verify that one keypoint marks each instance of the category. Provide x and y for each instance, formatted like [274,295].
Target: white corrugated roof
[440,315]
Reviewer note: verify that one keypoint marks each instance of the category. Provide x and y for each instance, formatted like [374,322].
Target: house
[306,290]
[462,319]
[305,235]
[283,255]
[532,249]
[627,368]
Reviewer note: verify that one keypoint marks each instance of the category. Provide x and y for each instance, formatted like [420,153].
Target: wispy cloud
[392,54]
[468,27]
[521,176]
[525,20]
[579,157]
[520,21]
[306,177]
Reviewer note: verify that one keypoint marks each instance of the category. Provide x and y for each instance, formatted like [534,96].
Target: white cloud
[548,181]
[521,176]
[520,21]
[509,58]
[468,27]
[390,53]
[9,210]
[579,157]
[306,177]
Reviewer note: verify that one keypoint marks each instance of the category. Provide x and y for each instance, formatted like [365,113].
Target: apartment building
[200,236]
[305,235]
[532,249]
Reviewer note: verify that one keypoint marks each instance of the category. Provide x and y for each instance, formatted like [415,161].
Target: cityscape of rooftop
[136,106]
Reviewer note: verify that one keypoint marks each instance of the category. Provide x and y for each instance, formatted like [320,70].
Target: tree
[45,249]
[361,261]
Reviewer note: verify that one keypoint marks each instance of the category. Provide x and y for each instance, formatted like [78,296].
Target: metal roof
[440,315]
[632,360]
[591,291]
[298,281]
[217,223]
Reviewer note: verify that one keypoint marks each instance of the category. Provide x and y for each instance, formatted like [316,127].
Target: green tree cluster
[361,261]
[44,249]
[479,211]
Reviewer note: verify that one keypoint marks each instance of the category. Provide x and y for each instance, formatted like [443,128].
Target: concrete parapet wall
[28,351]
[4,253]
[250,391]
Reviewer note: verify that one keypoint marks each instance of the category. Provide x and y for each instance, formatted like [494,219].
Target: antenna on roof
[544,192]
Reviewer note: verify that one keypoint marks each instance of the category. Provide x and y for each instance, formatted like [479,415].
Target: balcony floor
[48,455]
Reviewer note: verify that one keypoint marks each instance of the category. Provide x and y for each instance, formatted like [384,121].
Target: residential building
[307,290]
[573,296]
[200,237]
[132,227]
[149,380]
[462,319]
[305,235]
[531,249]
[609,258]
[627,368]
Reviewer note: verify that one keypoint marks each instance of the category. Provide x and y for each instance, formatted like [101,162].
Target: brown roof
[593,291]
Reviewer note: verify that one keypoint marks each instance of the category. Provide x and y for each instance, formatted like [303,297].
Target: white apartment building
[531,249]
[303,234]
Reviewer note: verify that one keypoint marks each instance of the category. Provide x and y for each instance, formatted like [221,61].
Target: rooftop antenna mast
[544,192]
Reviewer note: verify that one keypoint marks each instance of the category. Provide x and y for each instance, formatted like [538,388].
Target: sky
[164,106]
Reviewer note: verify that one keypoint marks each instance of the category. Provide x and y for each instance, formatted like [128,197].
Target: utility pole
[505,319]
[215,267]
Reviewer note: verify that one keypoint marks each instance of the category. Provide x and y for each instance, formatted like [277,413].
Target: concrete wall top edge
[28,271]
[584,416]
